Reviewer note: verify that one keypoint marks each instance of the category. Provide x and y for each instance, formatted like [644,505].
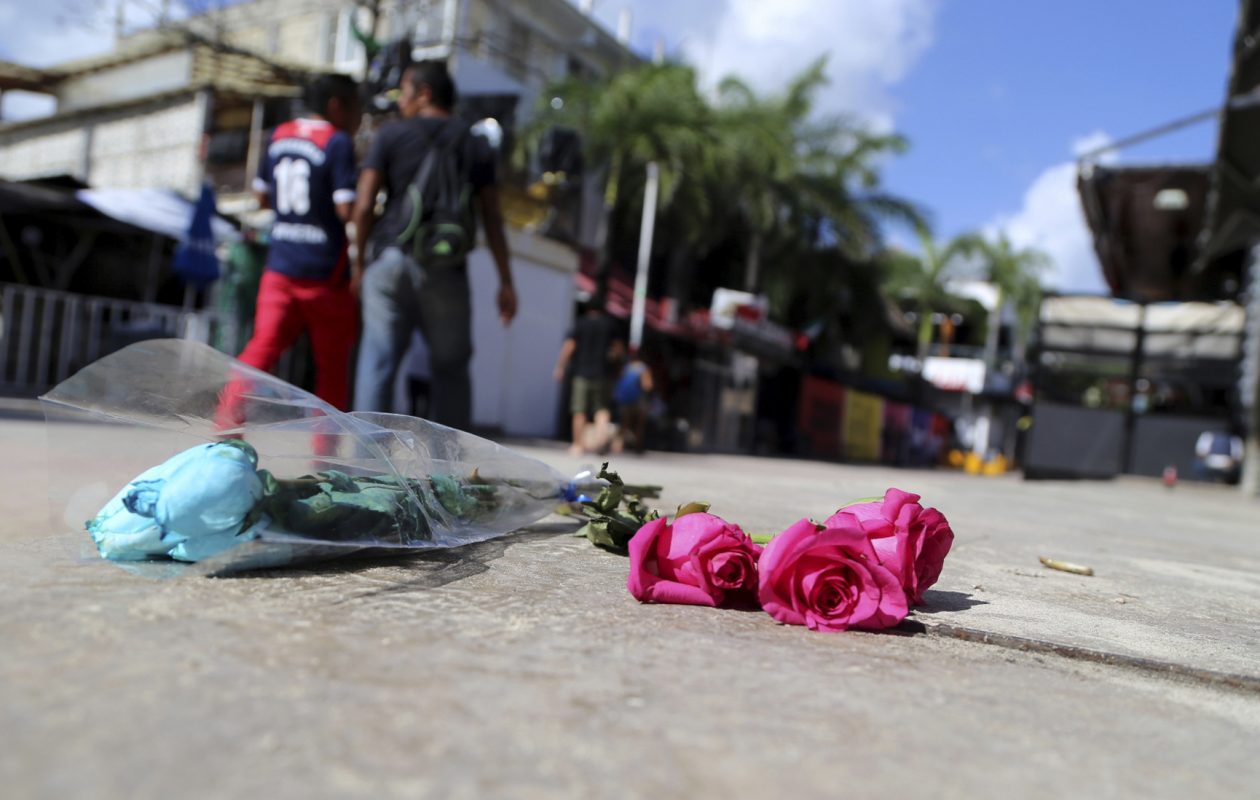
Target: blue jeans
[400,296]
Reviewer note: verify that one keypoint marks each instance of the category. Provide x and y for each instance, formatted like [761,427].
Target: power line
[1237,102]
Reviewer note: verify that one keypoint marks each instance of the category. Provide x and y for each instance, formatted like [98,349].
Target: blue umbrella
[195,260]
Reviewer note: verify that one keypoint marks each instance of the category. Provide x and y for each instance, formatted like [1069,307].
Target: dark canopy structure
[1145,221]
[1182,232]
[17,197]
[1233,213]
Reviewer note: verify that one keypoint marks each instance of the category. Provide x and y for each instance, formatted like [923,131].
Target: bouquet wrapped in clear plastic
[255,472]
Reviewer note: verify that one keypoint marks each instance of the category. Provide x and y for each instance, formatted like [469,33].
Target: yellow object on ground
[1066,566]
[997,466]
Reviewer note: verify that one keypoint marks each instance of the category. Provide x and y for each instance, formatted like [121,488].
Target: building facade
[194,100]
[162,111]
[135,118]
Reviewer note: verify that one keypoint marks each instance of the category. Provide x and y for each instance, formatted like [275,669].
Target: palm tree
[921,278]
[797,178]
[1016,275]
[744,179]
[652,112]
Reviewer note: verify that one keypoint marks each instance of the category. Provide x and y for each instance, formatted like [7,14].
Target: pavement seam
[1208,677]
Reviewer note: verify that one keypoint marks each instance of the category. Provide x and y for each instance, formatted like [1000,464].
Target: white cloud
[1091,142]
[41,34]
[1051,219]
[870,47]
[871,44]
[44,34]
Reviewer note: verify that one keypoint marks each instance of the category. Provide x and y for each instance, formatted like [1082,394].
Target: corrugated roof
[135,48]
[237,65]
[226,70]
[27,79]
[244,74]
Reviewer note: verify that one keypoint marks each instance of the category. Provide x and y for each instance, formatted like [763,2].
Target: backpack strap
[416,188]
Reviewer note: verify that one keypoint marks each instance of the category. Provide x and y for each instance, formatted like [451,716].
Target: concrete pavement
[523,668]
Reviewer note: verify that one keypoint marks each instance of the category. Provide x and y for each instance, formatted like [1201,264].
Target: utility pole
[984,425]
[646,230]
[1249,378]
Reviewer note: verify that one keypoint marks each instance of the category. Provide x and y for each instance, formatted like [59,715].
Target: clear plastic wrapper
[195,457]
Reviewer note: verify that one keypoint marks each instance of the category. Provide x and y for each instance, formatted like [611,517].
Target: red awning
[656,312]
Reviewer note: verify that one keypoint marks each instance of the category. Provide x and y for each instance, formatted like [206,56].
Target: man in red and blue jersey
[308,177]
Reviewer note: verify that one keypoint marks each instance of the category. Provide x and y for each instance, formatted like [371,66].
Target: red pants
[330,316]
[287,306]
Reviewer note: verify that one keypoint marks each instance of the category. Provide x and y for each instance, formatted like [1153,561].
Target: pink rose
[920,540]
[699,560]
[829,578]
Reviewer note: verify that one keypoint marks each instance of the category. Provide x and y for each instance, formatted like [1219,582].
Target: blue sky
[993,94]
[1006,87]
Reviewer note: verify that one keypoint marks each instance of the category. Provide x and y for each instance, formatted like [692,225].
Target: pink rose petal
[691,562]
[916,543]
[830,579]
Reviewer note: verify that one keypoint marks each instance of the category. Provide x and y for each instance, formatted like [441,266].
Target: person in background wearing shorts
[591,347]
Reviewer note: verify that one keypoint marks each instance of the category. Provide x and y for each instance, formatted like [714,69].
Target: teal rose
[191,507]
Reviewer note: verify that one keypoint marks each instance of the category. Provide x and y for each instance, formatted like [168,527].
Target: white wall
[55,149]
[137,147]
[148,149]
[513,388]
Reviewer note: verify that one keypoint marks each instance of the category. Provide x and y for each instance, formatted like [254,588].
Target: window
[348,53]
[328,38]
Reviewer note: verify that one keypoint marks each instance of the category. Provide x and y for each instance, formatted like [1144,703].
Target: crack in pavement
[1208,677]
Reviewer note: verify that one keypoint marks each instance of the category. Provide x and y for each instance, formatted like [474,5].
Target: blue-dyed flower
[190,508]
[123,535]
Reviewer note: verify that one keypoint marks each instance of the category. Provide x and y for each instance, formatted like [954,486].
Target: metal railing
[47,335]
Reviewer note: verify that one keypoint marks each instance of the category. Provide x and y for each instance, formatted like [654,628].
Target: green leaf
[615,515]
[600,535]
[452,495]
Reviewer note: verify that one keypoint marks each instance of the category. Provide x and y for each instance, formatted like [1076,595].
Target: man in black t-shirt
[399,294]
[592,346]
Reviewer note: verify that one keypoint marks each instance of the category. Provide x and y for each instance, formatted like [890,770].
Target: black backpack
[436,210]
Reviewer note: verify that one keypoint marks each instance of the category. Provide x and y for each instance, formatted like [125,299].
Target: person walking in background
[631,394]
[308,178]
[592,346]
[428,163]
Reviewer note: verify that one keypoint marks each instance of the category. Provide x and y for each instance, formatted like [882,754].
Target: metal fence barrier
[47,335]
